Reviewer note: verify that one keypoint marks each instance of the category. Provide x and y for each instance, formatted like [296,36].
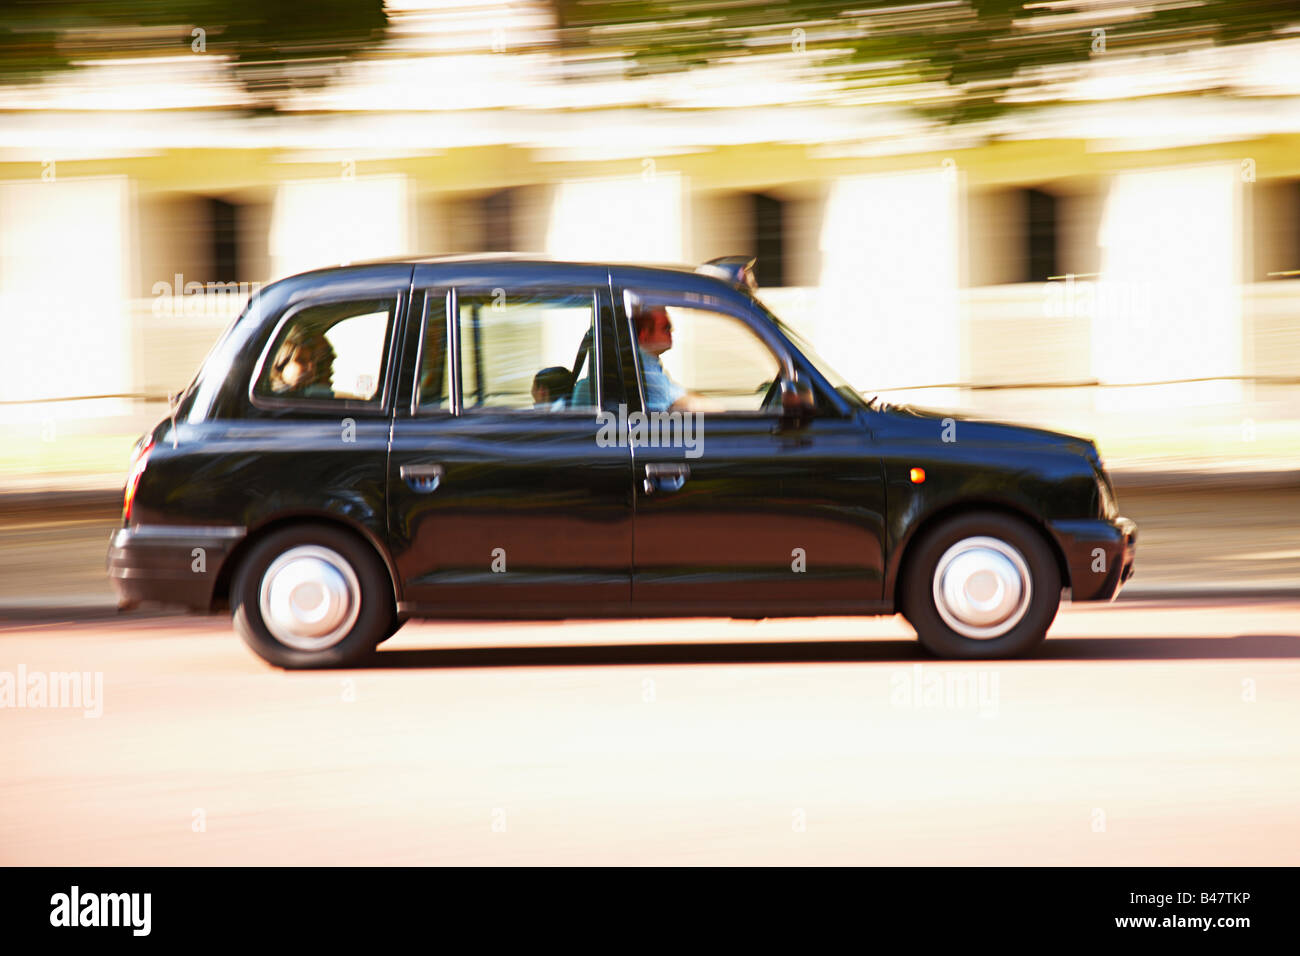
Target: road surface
[1145,733]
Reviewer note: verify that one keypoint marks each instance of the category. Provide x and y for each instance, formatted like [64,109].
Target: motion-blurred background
[1079,214]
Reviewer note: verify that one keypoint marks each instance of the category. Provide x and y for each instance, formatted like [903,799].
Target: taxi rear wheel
[981,586]
[312,596]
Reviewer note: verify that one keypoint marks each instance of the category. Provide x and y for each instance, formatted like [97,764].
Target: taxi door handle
[665,476]
[422,478]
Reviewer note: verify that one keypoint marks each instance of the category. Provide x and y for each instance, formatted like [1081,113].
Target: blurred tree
[975,54]
[272,46]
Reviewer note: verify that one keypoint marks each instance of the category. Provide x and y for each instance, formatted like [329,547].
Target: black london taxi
[502,437]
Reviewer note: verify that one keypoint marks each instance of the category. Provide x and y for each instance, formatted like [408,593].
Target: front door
[501,501]
[745,515]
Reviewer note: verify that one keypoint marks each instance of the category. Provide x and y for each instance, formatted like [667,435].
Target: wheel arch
[957,509]
[363,535]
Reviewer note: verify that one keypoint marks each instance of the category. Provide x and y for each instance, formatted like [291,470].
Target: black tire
[937,635]
[375,617]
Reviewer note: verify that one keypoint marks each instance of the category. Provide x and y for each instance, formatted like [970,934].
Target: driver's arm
[694,402]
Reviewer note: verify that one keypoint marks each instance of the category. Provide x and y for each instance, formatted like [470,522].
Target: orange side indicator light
[918,476]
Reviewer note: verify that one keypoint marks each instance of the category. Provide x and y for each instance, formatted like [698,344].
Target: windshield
[838,381]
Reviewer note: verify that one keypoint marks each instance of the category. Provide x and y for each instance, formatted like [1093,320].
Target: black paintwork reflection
[541,497]
[764,516]
[251,472]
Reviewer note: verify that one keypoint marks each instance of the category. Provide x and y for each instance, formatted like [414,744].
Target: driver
[654,336]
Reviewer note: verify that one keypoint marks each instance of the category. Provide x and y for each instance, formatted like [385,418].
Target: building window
[769,240]
[1041,224]
[497,210]
[1277,230]
[1291,267]
[224,235]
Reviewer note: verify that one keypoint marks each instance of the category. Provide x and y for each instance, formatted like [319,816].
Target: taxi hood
[972,428]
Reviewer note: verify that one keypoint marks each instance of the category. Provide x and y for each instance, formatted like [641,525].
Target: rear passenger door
[500,500]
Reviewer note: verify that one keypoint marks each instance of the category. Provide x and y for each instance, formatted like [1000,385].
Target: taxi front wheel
[981,586]
[312,596]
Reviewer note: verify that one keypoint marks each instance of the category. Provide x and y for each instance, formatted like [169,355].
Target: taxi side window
[527,351]
[434,382]
[701,354]
[332,352]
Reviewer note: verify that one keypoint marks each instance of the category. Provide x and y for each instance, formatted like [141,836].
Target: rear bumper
[169,564]
[1099,555]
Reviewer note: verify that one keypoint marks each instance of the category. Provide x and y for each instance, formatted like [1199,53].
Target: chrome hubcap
[982,587]
[310,598]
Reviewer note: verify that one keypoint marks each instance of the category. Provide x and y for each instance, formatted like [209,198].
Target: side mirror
[798,404]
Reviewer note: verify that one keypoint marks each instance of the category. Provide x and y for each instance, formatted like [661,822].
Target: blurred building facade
[1073,264]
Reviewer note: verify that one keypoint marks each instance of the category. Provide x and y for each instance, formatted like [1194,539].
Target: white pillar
[64,259]
[625,219]
[1167,303]
[889,311]
[327,222]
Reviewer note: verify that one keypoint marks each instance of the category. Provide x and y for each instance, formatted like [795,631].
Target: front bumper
[169,564]
[1099,555]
